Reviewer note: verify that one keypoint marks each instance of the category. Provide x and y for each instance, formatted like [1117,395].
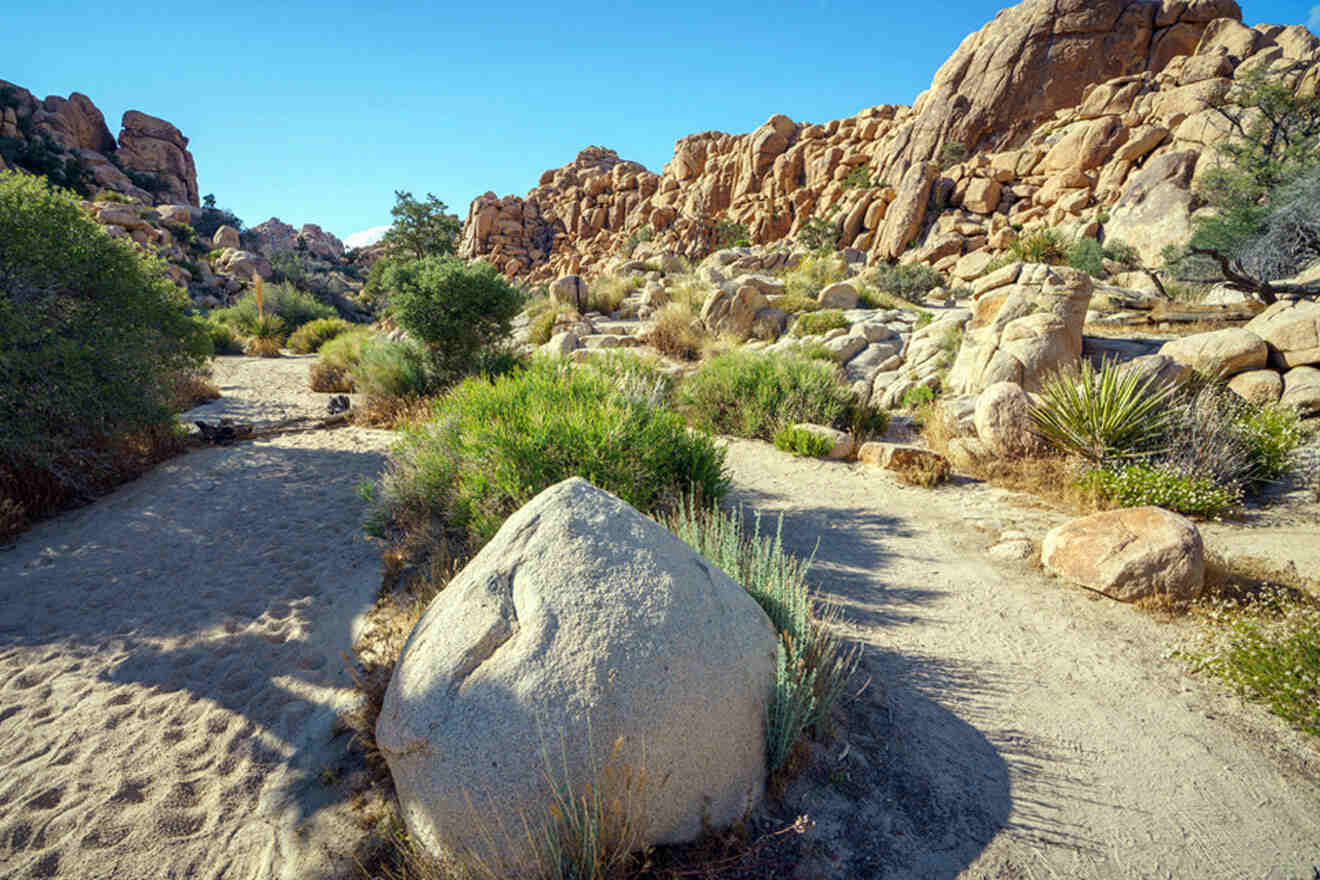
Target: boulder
[1003,420]
[587,632]
[571,291]
[733,313]
[154,146]
[226,237]
[1155,208]
[1292,331]
[562,344]
[1219,353]
[844,445]
[1301,390]
[1261,387]
[838,296]
[899,456]
[1129,554]
[243,264]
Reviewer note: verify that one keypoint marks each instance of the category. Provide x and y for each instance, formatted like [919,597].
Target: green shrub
[636,376]
[1273,433]
[677,333]
[110,195]
[815,273]
[910,282]
[455,308]
[607,293]
[402,369]
[334,371]
[730,234]
[800,441]
[267,336]
[93,336]
[951,154]
[1138,484]
[1086,255]
[919,396]
[309,338]
[819,234]
[493,445]
[1103,414]
[793,304]
[224,338]
[293,307]
[749,394]
[1042,246]
[813,665]
[819,322]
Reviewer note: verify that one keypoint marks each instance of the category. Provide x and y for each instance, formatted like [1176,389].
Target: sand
[171,666]
[171,656]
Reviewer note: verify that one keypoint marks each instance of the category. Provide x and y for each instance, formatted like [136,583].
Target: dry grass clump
[194,388]
[690,292]
[331,378]
[677,333]
[263,346]
[607,293]
[923,470]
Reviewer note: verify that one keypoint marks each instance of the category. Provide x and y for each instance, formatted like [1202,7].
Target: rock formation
[276,235]
[1055,114]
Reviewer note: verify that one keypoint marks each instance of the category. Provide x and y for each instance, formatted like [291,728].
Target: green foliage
[212,219]
[224,338]
[636,237]
[819,322]
[182,232]
[311,336]
[1268,648]
[608,292]
[1041,246]
[800,441]
[819,234]
[1102,415]
[1088,255]
[749,394]
[400,370]
[293,307]
[1273,433]
[457,309]
[813,665]
[921,395]
[951,154]
[858,178]
[39,154]
[728,234]
[794,304]
[1138,484]
[421,229]
[93,337]
[493,445]
[911,282]
[110,195]
[635,376]
[340,358]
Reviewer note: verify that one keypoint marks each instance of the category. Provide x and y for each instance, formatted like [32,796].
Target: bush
[635,376]
[403,369]
[340,357]
[749,394]
[800,441]
[813,665]
[1042,246]
[795,305]
[1137,484]
[1272,433]
[606,294]
[292,306]
[729,234]
[819,323]
[677,333]
[455,308]
[921,395]
[224,338]
[815,273]
[1086,255]
[493,445]
[819,234]
[93,338]
[267,336]
[910,282]
[309,338]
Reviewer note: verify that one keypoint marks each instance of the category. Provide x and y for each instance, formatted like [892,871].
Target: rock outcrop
[153,146]
[1129,554]
[1054,115]
[587,632]
[276,235]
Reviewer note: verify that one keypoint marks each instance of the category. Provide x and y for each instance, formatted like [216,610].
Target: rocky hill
[1093,118]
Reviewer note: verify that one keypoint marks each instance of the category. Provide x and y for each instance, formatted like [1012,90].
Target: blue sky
[317,112]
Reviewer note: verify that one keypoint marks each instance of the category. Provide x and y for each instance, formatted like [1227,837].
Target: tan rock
[1301,390]
[1129,554]
[899,456]
[1003,420]
[1155,209]
[226,237]
[982,196]
[972,265]
[154,146]
[733,313]
[838,296]
[1292,330]
[844,445]
[570,290]
[1261,387]
[903,219]
[1219,353]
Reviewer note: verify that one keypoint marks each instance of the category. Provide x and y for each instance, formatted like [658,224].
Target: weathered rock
[844,445]
[570,290]
[1261,387]
[899,456]
[838,296]
[562,344]
[1292,331]
[1155,209]
[226,237]
[1003,420]
[154,146]
[1219,353]
[906,212]
[1301,390]
[243,264]
[580,611]
[733,313]
[1129,554]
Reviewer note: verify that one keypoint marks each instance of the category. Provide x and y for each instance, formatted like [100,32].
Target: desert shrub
[815,350]
[690,292]
[267,336]
[635,376]
[1267,647]
[493,445]
[93,340]
[292,306]
[815,273]
[729,233]
[402,369]
[340,357]
[677,333]
[951,154]
[110,195]
[1086,255]
[923,470]
[921,395]
[309,338]
[1041,246]
[819,234]
[794,304]
[910,282]
[819,323]
[755,395]
[1272,433]
[1102,415]
[607,293]
[813,665]
[224,338]
[212,219]
[1137,484]
[800,441]
[455,308]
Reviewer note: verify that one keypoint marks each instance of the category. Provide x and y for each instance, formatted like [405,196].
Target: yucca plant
[267,330]
[1103,415]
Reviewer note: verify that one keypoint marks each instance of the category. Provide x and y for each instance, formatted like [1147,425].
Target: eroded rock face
[1292,331]
[579,611]
[1003,420]
[1219,353]
[276,235]
[153,146]
[1129,554]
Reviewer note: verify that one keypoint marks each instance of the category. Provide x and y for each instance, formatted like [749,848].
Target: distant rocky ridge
[1089,117]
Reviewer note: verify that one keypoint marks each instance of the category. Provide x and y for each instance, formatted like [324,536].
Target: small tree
[421,229]
[458,310]
[1263,228]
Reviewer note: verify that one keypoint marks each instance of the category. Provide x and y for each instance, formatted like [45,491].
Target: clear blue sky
[317,112]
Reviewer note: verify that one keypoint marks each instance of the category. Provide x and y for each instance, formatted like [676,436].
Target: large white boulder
[1129,554]
[581,623]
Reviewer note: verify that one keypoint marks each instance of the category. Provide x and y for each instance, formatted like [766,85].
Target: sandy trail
[171,656]
[1016,726]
